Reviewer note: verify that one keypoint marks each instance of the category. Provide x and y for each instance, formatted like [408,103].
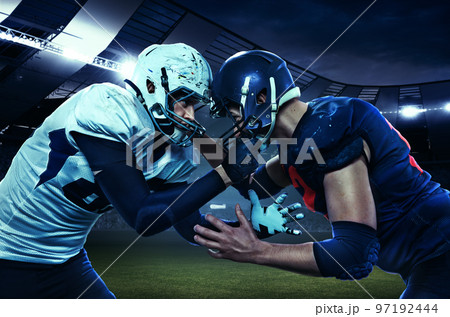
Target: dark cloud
[394,42]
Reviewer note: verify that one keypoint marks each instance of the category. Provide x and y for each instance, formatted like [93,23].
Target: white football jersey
[48,199]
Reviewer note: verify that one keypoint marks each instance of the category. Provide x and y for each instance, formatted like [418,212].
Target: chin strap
[138,92]
[139,96]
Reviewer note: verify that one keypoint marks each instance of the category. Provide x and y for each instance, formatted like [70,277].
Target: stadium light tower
[11,35]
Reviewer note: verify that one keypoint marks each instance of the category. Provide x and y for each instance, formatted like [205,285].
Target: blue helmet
[239,81]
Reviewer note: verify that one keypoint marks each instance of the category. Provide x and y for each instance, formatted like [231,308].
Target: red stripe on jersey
[413,162]
[399,134]
[297,181]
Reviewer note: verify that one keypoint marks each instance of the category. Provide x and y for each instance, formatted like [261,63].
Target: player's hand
[273,219]
[240,162]
[234,243]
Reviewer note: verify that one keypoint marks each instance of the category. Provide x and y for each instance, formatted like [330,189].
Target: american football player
[105,147]
[383,207]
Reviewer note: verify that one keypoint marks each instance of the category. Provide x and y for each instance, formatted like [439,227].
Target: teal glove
[273,219]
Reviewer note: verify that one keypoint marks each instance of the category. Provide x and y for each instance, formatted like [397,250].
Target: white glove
[273,219]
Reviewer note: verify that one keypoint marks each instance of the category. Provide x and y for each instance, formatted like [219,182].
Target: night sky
[394,42]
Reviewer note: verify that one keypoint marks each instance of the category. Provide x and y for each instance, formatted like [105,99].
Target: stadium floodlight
[20,38]
[447,107]
[25,39]
[127,68]
[410,111]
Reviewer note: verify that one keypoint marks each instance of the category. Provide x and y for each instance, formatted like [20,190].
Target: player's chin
[186,128]
[184,124]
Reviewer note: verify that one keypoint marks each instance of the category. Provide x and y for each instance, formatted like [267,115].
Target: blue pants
[430,279]
[67,280]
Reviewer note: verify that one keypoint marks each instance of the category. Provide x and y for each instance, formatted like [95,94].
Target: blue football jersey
[49,198]
[408,231]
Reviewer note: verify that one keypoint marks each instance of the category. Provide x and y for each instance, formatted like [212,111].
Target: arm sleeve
[147,211]
[262,184]
[352,252]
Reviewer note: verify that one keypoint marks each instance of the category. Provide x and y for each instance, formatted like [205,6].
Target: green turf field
[165,266]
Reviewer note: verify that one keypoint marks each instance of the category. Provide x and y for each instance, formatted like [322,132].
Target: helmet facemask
[179,130]
[225,108]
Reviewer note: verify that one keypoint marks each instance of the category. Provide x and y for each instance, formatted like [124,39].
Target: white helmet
[178,72]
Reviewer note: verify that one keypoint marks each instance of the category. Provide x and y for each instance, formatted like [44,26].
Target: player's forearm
[161,210]
[298,258]
[260,182]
